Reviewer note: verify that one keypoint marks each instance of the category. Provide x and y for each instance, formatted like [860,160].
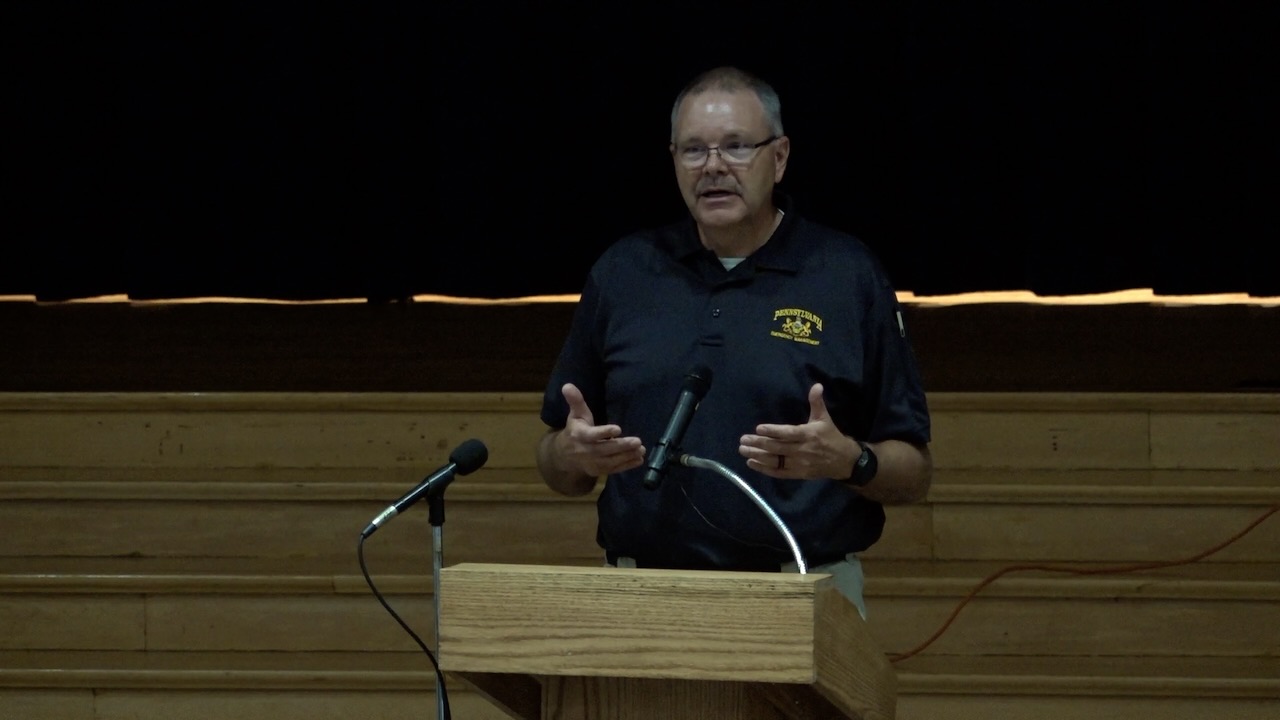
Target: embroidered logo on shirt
[798,325]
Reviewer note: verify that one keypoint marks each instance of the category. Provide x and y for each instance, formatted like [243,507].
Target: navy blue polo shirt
[812,305]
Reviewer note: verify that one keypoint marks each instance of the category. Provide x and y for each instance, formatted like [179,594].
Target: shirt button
[715,313]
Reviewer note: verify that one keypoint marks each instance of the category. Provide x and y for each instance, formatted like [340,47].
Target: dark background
[300,150]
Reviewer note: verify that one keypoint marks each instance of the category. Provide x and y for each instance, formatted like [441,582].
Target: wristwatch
[864,468]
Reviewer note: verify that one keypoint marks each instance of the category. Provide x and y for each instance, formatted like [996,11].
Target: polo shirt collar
[779,253]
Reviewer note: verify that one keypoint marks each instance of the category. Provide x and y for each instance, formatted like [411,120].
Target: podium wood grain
[596,636]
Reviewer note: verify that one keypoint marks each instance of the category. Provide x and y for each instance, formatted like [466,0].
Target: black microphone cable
[465,459]
[444,695]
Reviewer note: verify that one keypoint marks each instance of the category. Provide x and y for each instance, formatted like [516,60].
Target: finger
[617,462]
[577,404]
[772,433]
[786,436]
[614,455]
[773,466]
[758,457]
[604,438]
[817,406]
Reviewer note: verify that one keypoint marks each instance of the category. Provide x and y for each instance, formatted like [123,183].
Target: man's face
[721,191]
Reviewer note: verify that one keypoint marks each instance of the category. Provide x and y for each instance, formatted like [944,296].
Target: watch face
[865,467]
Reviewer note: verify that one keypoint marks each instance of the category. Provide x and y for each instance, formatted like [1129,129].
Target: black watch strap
[865,467]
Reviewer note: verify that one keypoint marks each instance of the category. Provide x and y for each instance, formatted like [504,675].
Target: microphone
[695,386]
[465,459]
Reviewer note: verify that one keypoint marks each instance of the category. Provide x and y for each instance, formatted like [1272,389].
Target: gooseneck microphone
[695,386]
[465,459]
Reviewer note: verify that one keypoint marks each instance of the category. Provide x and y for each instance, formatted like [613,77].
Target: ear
[781,151]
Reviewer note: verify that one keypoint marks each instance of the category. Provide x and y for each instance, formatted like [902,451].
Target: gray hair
[732,79]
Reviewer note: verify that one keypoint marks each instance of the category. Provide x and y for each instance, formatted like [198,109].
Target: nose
[714,154]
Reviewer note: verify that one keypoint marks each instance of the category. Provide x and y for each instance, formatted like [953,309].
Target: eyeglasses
[731,153]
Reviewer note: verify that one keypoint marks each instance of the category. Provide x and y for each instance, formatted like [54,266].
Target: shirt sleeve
[901,410]
[580,362]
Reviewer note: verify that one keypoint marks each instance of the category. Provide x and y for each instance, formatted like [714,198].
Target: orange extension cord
[1078,571]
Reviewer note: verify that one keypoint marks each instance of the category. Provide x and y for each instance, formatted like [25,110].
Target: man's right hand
[571,460]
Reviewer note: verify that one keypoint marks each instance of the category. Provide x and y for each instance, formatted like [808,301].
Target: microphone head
[469,456]
[698,381]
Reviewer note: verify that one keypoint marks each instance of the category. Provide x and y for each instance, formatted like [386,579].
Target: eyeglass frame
[727,160]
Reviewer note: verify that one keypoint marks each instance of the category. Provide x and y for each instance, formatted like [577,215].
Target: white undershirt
[730,263]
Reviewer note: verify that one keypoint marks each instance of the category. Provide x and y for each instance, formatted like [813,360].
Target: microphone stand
[435,515]
[697,462]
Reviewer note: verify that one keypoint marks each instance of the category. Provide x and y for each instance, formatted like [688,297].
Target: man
[815,398]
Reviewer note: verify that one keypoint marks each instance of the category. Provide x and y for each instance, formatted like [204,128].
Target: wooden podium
[577,643]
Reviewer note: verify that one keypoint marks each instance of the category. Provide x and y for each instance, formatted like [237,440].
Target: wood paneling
[1040,706]
[315,704]
[249,530]
[223,528]
[1040,440]
[256,623]
[75,622]
[1096,532]
[1051,622]
[1224,612]
[268,437]
[1215,441]
[418,431]
[64,535]
[46,704]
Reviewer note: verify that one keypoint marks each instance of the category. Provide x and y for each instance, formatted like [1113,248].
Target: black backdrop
[322,150]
